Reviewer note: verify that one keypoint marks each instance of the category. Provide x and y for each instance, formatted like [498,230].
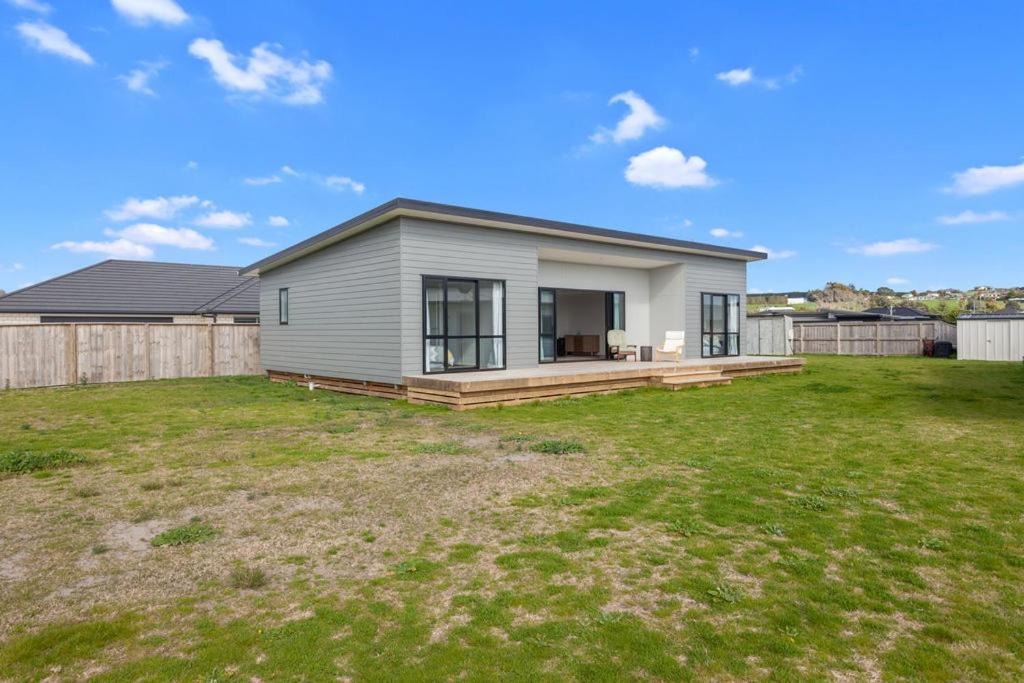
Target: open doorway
[574,323]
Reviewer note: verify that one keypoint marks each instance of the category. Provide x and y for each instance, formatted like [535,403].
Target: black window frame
[706,325]
[444,337]
[283,312]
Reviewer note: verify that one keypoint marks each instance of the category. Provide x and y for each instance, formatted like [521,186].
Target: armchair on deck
[618,347]
[672,348]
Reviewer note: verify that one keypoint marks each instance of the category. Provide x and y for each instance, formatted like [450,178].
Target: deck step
[695,379]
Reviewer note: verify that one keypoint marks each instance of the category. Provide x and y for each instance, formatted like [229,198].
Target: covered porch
[466,390]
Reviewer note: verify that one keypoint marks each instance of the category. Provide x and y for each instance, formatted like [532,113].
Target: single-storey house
[412,290]
[116,291]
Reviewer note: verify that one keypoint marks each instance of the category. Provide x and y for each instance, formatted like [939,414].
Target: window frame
[444,336]
[706,331]
[283,312]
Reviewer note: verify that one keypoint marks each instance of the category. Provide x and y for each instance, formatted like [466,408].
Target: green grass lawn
[861,520]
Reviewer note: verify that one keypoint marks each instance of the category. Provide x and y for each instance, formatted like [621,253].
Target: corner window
[282,306]
[463,324]
[720,325]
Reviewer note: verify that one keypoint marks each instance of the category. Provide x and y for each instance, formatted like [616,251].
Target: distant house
[137,292]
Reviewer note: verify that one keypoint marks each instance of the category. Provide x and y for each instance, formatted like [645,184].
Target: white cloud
[633,125]
[985,179]
[264,180]
[160,208]
[228,220]
[774,255]
[256,242]
[694,53]
[974,217]
[266,73]
[278,221]
[897,281]
[192,165]
[13,268]
[336,182]
[687,223]
[145,12]
[907,245]
[722,232]
[667,167]
[288,170]
[137,80]
[149,233]
[31,6]
[120,248]
[738,77]
[47,38]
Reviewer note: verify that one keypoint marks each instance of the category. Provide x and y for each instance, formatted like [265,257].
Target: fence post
[213,351]
[71,352]
[147,343]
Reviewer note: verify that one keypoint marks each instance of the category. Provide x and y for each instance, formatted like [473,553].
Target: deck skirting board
[508,388]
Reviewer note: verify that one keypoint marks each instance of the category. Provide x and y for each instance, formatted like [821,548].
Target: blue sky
[868,142]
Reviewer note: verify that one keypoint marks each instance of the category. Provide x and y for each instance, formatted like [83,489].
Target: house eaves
[489,219]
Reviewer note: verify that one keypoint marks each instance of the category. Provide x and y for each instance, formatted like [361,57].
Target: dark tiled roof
[436,211]
[140,287]
[900,312]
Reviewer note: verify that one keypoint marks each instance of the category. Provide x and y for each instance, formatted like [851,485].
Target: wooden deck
[461,391]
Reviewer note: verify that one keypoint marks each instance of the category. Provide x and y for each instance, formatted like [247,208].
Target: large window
[720,325]
[282,306]
[463,324]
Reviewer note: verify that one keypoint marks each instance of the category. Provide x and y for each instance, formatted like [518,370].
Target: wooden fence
[887,338]
[54,355]
[770,336]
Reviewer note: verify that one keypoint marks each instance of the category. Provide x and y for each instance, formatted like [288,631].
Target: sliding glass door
[720,325]
[463,324]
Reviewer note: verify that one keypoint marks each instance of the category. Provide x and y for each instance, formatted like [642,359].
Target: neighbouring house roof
[492,219]
[821,315]
[901,313]
[140,287]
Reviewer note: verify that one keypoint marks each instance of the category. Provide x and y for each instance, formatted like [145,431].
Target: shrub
[19,462]
[193,532]
[249,578]
[558,447]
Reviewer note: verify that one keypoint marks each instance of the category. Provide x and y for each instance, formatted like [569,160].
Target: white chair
[618,347]
[672,348]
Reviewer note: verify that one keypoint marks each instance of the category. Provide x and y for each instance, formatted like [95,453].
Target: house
[994,335]
[137,292]
[413,289]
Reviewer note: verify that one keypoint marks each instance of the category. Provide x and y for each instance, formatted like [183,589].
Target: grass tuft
[20,462]
[558,447]
[193,532]
[248,578]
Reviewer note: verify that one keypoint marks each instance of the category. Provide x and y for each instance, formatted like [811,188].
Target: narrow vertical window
[282,306]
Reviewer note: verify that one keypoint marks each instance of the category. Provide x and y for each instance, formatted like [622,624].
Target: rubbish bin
[646,354]
[943,349]
[929,347]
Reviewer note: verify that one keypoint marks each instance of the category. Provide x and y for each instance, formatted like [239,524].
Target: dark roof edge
[402,204]
[58,277]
